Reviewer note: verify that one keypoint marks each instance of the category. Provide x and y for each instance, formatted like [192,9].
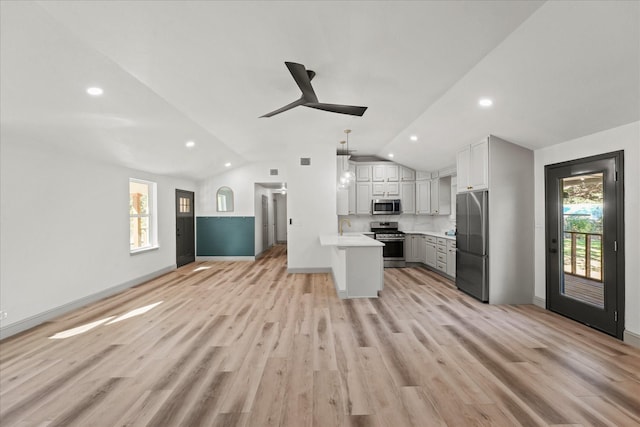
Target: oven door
[393,249]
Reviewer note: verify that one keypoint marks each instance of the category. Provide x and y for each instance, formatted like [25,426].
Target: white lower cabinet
[411,248]
[430,251]
[437,253]
[451,258]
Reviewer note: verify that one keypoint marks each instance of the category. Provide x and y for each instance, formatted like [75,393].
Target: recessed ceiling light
[95,91]
[413,137]
[190,144]
[485,102]
[391,155]
[227,164]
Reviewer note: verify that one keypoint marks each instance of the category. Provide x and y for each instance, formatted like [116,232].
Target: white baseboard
[30,322]
[225,258]
[540,302]
[309,270]
[631,338]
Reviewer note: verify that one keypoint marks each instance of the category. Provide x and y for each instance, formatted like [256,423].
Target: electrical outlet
[3,314]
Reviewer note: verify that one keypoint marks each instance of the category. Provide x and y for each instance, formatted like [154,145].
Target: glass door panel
[582,226]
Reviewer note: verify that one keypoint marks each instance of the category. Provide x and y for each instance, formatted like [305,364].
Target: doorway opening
[271,216]
[585,241]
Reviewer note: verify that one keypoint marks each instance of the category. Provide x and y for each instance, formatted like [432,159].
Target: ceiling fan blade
[303,80]
[337,108]
[295,103]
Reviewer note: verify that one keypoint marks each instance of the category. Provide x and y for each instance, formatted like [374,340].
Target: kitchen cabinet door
[363,173]
[378,173]
[423,197]
[352,199]
[451,258]
[391,173]
[479,166]
[393,188]
[408,197]
[462,166]
[363,198]
[473,167]
[430,254]
[411,245]
[407,174]
[422,249]
[378,189]
[434,204]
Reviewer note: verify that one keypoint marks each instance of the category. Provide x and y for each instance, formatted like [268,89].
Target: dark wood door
[585,248]
[185,231]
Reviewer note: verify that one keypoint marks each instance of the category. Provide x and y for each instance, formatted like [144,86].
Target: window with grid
[142,215]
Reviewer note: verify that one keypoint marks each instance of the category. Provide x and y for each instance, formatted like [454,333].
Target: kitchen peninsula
[356,264]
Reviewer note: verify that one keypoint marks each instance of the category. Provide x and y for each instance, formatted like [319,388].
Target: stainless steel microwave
[385,207]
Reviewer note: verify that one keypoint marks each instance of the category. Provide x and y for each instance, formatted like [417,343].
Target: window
[142,215]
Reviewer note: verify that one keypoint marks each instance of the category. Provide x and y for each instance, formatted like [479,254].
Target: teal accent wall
[225,236]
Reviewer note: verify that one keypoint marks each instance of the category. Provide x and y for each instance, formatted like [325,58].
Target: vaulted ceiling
[205,71]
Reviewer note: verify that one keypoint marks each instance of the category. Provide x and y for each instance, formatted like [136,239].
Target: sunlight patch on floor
[136,312]
[79,330]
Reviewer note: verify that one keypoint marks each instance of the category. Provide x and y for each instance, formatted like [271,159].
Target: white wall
[241,181]
[311,205]
[625,138]
[311,200]
[65,230]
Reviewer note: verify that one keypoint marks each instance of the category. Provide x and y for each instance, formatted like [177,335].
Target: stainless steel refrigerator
[472,248]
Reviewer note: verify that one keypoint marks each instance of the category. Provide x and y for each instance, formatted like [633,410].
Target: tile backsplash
[405,222]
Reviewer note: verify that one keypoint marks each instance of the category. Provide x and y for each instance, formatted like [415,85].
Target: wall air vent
[305,161]
[273,171]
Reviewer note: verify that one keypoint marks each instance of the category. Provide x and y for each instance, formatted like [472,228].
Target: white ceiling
[205,71]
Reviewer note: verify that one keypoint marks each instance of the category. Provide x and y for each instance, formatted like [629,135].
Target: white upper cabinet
[408,197]
[352,191]
[377,173]
[391,173]
[385,189]
[363,173]
[423,197]
[441,196]
[473,167]
[407,174]
[422,175]
[363,198]
[381,173]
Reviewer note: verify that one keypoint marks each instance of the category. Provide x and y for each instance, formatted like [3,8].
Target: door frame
[618,157]
[193,216]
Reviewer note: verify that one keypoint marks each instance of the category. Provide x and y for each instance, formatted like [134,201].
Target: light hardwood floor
[246,344]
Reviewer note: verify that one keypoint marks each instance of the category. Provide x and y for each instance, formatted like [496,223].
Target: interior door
[585,250]
[185,231]
[265,223]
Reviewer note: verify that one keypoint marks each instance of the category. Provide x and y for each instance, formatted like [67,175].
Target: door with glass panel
[585,260]
[185,231]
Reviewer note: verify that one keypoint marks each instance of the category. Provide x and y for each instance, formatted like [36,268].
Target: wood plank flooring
[246,344]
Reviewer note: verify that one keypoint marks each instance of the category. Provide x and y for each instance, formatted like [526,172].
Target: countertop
[432,233]
[349,240]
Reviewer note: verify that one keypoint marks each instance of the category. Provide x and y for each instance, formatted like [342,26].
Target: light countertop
[431,233]
[349,240]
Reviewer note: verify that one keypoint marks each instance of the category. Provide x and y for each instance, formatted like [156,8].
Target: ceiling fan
[303,78]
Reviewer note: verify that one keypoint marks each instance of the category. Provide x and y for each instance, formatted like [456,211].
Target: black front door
[584,242]
[185,235]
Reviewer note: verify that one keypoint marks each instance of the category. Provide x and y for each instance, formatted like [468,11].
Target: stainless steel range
[393,239]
